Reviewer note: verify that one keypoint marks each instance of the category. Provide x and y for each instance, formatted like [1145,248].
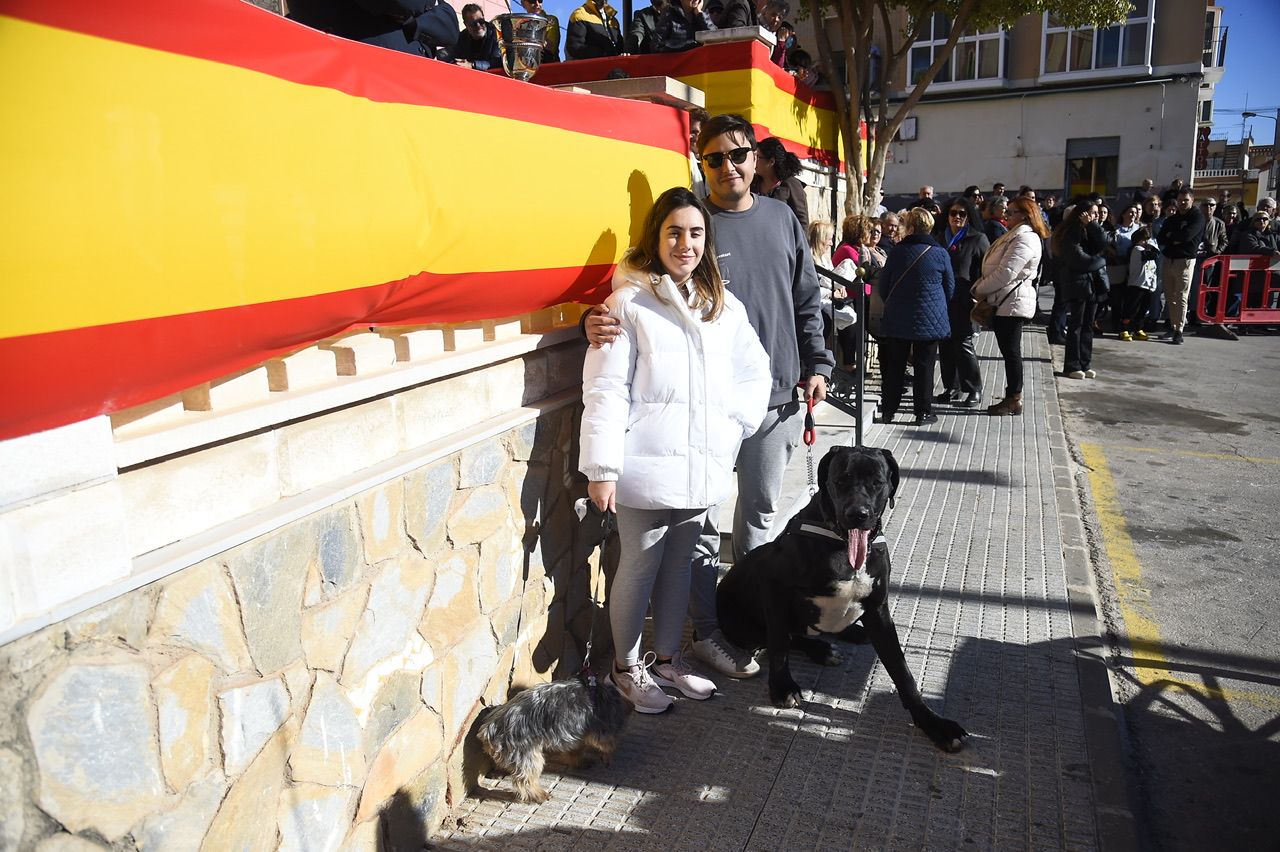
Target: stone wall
[311,688]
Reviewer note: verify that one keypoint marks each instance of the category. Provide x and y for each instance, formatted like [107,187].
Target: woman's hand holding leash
[601,494]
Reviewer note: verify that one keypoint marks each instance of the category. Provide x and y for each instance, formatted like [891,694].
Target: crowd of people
[1123,268]
[432,28]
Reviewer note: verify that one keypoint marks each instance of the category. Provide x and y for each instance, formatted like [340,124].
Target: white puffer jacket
[1009,273]
[667,404]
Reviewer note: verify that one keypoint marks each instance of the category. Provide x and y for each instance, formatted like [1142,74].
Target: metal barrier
[1239,288]
[847,391]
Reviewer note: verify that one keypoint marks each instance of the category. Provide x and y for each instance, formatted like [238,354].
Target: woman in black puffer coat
[961,234]
[1078,245]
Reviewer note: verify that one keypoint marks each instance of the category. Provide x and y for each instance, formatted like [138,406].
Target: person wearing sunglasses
[962,236]
[765,259]
[1252,237]
[477,42]
[551,44]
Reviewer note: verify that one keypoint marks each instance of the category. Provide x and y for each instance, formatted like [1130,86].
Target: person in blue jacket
[423,27]
[916,284]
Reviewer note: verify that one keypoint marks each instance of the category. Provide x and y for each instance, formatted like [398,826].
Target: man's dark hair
[971,190]
[782,7]
[1024,189]
[719,125]
[471,7]
[1186,190]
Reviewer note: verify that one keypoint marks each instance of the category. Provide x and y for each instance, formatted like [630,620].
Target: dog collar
[814,529]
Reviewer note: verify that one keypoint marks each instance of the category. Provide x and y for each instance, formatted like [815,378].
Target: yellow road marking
[1163,451]
[1133,595]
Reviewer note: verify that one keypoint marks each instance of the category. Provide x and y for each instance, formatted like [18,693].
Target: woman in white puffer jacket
[1008,281]
[665,407]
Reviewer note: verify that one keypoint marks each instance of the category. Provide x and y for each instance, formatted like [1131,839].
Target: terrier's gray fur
[565,716]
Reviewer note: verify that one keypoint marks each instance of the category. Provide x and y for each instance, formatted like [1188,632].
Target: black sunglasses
[737,156]
[960,213]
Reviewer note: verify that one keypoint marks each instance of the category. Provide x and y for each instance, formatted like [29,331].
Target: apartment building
[1063,110]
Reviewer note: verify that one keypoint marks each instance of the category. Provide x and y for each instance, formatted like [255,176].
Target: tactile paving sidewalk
[980,600]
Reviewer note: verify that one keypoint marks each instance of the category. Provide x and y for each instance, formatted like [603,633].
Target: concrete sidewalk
[991,594]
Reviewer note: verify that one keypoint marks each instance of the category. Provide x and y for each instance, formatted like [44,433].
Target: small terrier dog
[576,718]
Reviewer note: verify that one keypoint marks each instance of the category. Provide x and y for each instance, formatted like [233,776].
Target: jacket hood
[626,275]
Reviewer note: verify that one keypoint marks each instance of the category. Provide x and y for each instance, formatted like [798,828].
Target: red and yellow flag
[735,77]
[192,188]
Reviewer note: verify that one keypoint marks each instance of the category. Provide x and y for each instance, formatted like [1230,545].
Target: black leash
[587,513]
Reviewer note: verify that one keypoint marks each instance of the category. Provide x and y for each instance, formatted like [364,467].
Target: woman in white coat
[1008,281]
[665,407]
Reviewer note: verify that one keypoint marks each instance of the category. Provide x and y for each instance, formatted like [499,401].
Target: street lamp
[1274,134]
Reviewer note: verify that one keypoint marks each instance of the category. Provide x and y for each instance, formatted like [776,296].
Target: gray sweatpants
[656,546]
[762,460]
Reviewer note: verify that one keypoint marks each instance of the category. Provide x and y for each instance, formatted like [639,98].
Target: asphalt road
[1179,454]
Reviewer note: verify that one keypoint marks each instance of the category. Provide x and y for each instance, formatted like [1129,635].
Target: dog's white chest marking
[844,605]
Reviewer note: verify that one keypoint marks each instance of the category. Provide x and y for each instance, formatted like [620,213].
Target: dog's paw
[946,734]
[785,693]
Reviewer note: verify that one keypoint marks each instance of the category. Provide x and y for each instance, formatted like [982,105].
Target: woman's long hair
[1031,215]
[708,286]
[785,163]
[1070,228]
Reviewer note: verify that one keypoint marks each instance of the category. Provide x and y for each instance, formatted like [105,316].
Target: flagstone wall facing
[310,686]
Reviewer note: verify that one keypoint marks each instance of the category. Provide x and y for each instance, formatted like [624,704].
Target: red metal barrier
[1240,288]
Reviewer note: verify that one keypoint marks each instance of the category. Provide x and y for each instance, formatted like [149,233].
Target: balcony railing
[1215,48]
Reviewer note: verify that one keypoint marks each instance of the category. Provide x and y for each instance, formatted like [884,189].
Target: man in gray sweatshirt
[764,258]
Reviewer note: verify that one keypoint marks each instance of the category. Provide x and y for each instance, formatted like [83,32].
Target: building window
[1206,112]
[977,55]
[1093,166]
[1215,39]
[1091,49]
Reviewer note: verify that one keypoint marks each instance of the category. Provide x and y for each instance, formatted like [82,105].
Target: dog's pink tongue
[858,548]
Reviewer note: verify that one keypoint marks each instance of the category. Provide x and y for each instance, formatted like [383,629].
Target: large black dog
[828,570]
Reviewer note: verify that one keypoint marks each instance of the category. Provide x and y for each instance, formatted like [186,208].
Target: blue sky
[1251,80]
[1252,77]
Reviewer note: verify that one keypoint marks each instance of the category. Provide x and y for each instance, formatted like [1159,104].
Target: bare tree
[859,21]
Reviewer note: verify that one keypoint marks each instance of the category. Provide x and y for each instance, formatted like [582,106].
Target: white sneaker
[724,656]
[1077,374]
[1091,374]
[681,675]
[638,687]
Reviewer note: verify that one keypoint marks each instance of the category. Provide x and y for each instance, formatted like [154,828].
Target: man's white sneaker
[724,656]
[679,674]
[638,687]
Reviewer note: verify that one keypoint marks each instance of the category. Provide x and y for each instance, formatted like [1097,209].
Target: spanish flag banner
[193,188]
[736,77]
